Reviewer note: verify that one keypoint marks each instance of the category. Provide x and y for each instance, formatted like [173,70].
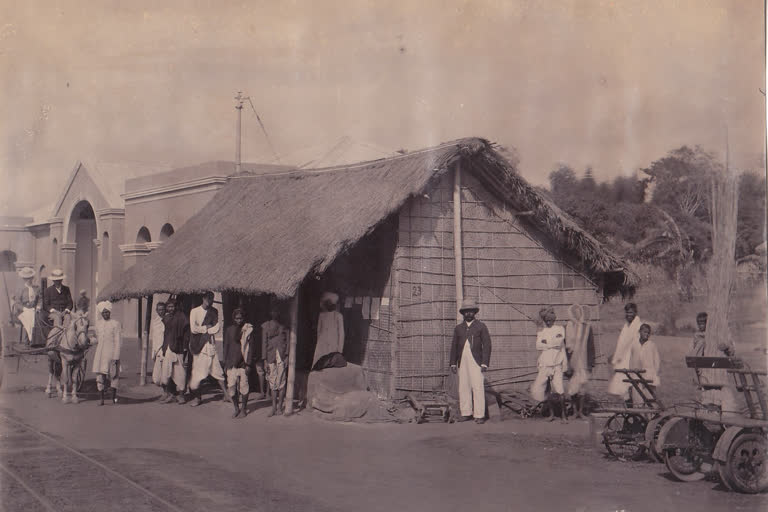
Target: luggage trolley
[702,438]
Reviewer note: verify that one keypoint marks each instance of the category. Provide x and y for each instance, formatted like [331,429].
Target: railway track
[55,477]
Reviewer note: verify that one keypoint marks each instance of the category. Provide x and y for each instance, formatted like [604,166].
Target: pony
[66,344]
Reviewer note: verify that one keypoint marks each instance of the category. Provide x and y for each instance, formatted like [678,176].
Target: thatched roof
[266,233]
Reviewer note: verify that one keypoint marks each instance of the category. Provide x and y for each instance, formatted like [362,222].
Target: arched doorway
[82,231]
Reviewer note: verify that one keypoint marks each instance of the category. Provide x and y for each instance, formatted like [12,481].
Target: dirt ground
[200,459]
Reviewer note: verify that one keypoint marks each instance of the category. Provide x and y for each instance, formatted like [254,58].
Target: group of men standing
[185,355]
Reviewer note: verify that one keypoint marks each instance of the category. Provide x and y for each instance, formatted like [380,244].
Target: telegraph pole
[239,107]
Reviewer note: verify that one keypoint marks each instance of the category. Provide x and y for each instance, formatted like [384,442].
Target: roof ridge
[362,165]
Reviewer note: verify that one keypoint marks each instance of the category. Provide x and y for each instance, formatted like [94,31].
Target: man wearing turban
[106,360]
[552,363]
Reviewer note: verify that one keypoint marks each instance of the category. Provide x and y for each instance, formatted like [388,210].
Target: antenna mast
[239,107]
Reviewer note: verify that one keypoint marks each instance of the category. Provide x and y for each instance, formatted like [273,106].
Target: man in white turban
[106,360]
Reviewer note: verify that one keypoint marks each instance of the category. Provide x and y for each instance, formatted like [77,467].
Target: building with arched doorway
[106,218]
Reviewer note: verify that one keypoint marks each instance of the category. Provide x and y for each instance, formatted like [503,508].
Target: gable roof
[265,233]
[109,179]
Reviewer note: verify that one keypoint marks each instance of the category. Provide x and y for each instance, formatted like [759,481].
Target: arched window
[105,246]
[55,252]
[7,261]
[166,232]
[143,236]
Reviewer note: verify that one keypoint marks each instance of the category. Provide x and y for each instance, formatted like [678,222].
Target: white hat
[101,306]
[329,296]
[57,275]
[27,273]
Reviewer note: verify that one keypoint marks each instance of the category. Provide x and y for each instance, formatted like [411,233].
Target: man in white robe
[626,346]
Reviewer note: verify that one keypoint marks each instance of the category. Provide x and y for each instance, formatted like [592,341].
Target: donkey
[67,343]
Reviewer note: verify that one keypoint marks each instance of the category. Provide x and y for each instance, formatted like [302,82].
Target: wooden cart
[629,432]
[706,437]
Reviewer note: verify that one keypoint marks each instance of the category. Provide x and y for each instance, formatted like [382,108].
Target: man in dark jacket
[57,296]
[470,356]
[175,346]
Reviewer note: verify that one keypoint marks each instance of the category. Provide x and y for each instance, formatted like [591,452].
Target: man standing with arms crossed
[203,325]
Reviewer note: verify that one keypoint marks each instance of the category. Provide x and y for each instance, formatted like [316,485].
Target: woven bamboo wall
[511,268]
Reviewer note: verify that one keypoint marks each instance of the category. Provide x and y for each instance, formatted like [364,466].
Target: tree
[562,181]
[682,181]
[588,185]
[751,214]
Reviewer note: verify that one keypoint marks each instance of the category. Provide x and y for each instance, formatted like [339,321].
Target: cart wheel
[80,374]
[724,478]
[652,432]
[623,435]
[745,466]
[683,446]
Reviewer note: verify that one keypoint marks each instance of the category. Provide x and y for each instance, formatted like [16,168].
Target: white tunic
[648,359]
[110,340]
[626,345]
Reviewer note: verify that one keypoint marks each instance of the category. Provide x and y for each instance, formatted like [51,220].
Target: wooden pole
[457,250]
[142,355]
[145,342]
[291,384]
[239,108]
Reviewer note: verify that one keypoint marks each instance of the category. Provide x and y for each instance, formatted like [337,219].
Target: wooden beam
[145,342]
[291,384]
[457,250]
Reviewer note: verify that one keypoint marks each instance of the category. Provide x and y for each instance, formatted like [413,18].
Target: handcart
[628,433]
[708,437]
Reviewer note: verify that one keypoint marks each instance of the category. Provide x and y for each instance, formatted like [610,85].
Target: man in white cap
[470,357]
[106,360]
[57,297]
[29,300]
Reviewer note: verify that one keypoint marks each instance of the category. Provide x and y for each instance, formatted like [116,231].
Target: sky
[609,84]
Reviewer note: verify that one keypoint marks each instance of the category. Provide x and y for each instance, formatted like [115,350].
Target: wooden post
[291,384]
[457,250]
[145,342]
[142,355]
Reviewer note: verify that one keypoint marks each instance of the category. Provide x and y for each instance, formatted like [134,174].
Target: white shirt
[196,317]
[648,356]
[550,342]
[156,333]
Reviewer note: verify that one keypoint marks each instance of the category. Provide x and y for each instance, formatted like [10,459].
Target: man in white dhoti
[203,325]
[626,346]
[29,299]
[470,357]
[552,362]
[156,337]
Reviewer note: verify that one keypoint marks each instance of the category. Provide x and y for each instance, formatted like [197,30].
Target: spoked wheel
[746,465]
[79,376]
[623,435]
[652,432]
[687,446]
